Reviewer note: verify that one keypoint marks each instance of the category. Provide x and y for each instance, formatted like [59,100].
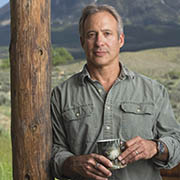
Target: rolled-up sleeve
[60,150]
[168,130]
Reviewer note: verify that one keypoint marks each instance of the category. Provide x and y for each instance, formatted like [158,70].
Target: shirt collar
[125,73]
[84,74]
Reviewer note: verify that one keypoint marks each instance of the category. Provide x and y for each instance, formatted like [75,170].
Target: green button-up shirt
[83,113]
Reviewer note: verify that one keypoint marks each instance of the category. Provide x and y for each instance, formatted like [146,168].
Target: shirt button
[138,110]
[77,114]
[122,76]
[108,107]
[108,127]
[100,90]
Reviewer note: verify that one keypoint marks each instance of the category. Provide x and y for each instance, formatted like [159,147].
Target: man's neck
[106,75]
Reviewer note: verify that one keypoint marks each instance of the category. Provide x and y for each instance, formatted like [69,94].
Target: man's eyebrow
[106,30]
[90,31]
[101,30]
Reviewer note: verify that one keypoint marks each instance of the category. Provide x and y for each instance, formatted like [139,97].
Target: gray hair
[92,9]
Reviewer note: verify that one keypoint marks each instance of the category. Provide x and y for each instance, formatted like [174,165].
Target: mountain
[148,24]
[139,12]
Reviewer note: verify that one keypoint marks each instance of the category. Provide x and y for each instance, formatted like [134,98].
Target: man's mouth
[100,53]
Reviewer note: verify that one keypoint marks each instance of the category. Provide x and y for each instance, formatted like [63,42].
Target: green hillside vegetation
[162,64]
[61,56]
[6,157]
[5,64]
[155,63]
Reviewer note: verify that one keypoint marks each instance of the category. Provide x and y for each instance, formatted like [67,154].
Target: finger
[96,165]
[144,149]
[133,141]
[128,152]
[103,160]
[137,154]
[134,156]
[131,154]
[100,170]
[106,172]
[89,170]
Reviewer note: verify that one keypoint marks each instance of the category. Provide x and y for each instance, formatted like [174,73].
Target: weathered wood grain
[30,89]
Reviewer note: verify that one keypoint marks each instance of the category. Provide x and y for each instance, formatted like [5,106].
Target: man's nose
[99,40]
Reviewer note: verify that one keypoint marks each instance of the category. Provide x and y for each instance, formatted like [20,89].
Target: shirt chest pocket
[78,122]
[137,120]
[77,113]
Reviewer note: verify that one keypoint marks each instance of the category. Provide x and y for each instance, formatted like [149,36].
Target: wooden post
[30,89]
[171,174]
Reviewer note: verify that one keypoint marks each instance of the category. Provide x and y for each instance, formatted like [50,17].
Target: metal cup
[111,149]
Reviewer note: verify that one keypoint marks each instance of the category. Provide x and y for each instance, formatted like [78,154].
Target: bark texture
[30,89]
[172,174]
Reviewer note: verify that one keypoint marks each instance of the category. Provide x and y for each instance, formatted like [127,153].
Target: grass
[5,144]
[5,110]
[154,62]
[6,156]
[5,119]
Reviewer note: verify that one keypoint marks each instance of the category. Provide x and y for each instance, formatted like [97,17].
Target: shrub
[61,56]
[4,98]
[174,75]
[5,64]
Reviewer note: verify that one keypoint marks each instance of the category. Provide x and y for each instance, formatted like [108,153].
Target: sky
[3,2]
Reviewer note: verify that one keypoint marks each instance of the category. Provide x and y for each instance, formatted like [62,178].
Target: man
[108,101]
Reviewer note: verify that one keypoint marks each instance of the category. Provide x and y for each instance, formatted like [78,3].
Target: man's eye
[107,33]
[91,35]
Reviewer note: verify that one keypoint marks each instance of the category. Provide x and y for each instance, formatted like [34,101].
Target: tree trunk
[30,89]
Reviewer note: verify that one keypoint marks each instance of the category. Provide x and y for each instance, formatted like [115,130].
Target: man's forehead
[100,13]
[99,18]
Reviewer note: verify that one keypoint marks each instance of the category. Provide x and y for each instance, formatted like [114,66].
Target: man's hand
[136,149]
[89,166]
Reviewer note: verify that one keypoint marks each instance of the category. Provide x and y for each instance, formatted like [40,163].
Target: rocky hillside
[139,12]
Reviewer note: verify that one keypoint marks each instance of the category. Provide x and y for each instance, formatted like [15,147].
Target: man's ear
[121,40]
[82,42]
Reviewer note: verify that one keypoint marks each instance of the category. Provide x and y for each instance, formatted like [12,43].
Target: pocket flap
[137,108]
[77,112]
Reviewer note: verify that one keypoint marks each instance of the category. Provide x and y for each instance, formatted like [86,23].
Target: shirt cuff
[169,163]
[58,162]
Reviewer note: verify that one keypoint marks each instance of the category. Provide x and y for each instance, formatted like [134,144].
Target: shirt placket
[108,131]
[108,117]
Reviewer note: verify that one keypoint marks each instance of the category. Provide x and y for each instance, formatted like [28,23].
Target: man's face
[101,42]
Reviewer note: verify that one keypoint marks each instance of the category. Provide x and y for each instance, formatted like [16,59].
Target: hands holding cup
[112,154]
[111,149]
[121,153]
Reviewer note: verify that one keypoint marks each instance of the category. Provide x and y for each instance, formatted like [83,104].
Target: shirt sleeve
[60,149]
[168,130]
